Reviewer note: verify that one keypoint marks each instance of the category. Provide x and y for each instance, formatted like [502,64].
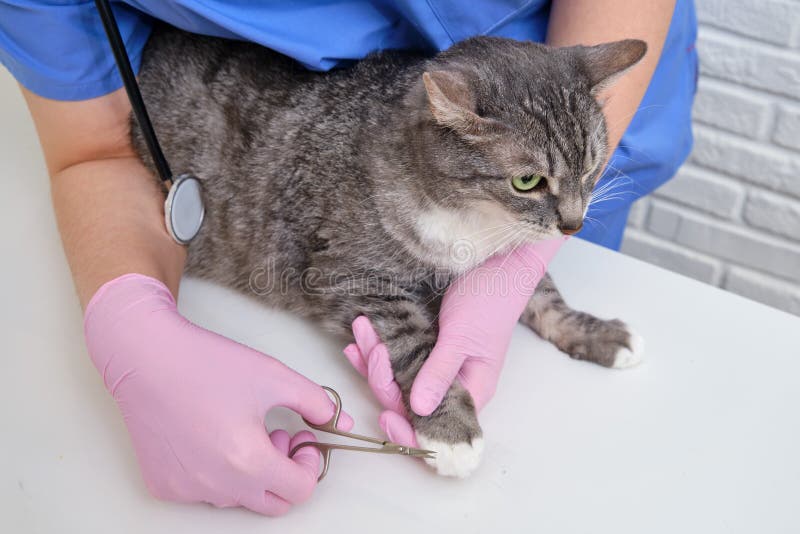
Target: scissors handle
[386,447]
[326,448]
[330,427]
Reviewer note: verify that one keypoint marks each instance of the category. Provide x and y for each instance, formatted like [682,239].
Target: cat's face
[517,139]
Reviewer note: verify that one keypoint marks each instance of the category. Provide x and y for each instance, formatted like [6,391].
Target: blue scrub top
[57,49]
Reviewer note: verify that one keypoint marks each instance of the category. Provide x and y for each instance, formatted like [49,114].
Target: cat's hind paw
[632,354]
[453,459]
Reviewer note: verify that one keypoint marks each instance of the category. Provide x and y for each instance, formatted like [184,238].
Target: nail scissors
[385,447]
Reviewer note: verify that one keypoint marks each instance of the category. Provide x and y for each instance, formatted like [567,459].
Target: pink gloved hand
[478,314]
[194,403]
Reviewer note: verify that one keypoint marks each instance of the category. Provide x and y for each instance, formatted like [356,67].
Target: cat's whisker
[609,197]
[599,222]
[619,174]
[502,236]
[596,205]
[592,220]
[603,190]
[484,230]
[620,187]
[637,149]
[613,181]
[628,158]
[615,195]
[494,234]
[614,168]
[616,189]
[605,193]
[510,252]
[619,196]
[508,239]
[619,180]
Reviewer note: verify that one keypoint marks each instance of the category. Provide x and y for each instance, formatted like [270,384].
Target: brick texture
[787,130]
[773,213]
[743,159]
[768,20]
[750,64]
[731,216]
[705,191]
[772,292]
[651,249]
[730,110]
[725,241]
[638,214]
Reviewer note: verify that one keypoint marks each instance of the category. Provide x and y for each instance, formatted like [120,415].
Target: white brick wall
[731,216]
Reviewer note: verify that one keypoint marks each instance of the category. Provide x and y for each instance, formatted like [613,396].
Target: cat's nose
[570,229]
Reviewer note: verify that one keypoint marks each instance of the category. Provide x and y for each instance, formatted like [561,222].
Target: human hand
[476,321]
[194,403]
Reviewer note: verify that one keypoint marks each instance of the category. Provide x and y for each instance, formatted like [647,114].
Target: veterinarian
[194,401]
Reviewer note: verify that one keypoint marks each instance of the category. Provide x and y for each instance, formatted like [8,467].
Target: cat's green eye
[526,183]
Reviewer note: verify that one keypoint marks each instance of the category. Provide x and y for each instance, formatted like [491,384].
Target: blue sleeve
[58,48]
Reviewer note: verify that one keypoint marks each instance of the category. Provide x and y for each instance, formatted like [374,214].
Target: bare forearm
[110,216]
[590,22]
[108,206]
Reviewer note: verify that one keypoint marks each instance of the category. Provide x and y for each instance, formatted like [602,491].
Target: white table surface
[703,437]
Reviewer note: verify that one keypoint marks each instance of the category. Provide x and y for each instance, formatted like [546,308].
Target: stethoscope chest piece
[183,209]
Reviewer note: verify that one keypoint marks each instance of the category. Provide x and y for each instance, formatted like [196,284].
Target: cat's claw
[629,357]
[453,459]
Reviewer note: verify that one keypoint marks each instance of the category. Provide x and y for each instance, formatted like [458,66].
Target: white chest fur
[462,238]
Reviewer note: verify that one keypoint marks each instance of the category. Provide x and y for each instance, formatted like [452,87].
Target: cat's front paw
[610,343]
[631,353]
[453,433]
[453,459]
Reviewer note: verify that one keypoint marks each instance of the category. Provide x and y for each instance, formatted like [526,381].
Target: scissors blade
[396,448]
[422,453]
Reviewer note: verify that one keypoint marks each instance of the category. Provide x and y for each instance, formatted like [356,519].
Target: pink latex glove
[194,403]
[475,326]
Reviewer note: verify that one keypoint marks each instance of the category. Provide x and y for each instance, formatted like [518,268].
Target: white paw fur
[628,358]
[453,459]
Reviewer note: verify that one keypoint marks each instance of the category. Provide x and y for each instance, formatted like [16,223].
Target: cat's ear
[605,63]
[452,103]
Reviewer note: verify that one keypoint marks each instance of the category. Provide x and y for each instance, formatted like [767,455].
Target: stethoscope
[183,208]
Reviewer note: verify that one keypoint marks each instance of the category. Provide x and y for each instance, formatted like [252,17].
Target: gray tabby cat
[346,193]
